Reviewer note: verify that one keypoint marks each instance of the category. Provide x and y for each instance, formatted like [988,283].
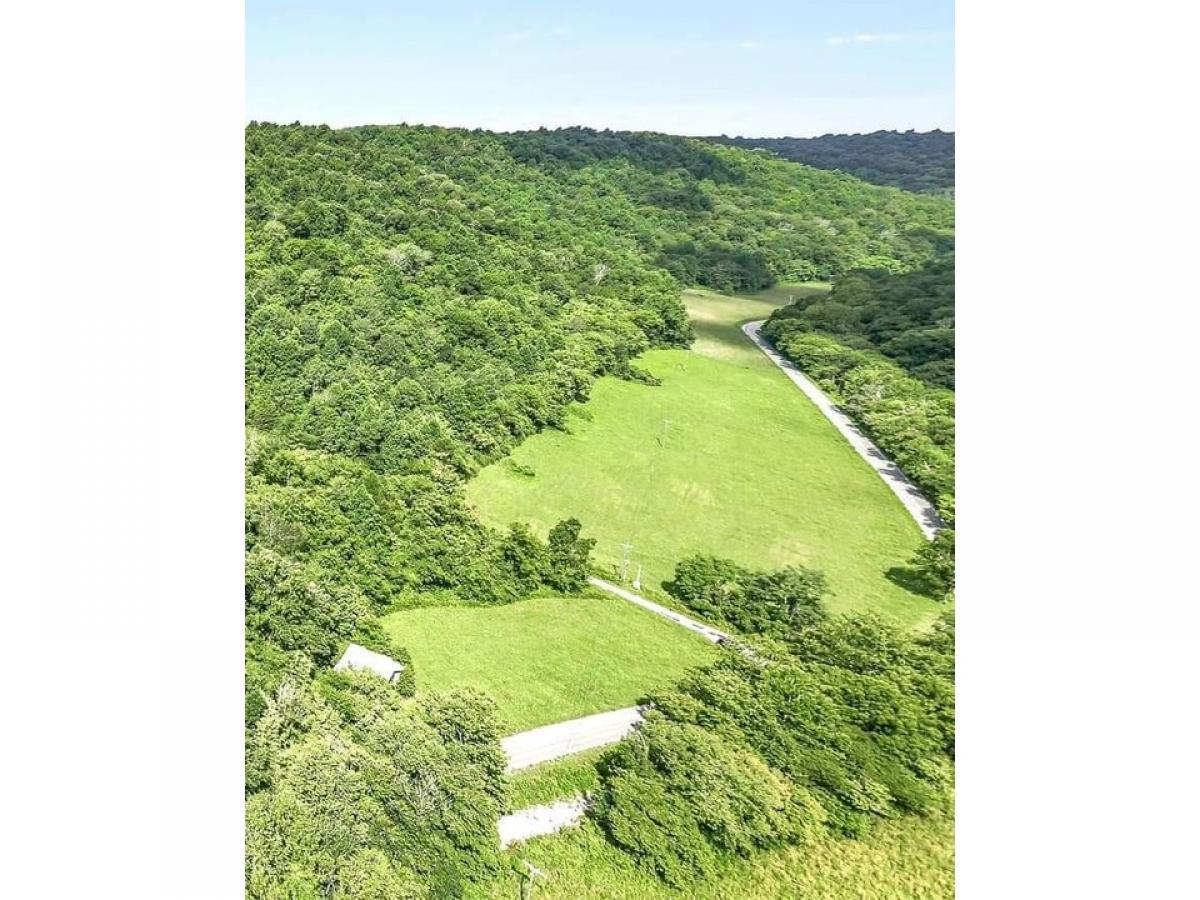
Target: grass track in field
[724,457]
[902,859]
[548,659]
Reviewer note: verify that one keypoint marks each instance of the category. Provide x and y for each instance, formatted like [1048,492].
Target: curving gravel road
[550,742]
[914,501]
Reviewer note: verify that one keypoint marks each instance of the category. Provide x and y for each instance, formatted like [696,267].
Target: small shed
[357,657]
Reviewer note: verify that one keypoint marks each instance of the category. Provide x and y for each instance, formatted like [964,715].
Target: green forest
[913,160]
[418,302]
[909,317]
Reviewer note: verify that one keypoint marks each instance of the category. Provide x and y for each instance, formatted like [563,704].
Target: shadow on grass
[725,331]
[727,335]
[520,469]
[912,581]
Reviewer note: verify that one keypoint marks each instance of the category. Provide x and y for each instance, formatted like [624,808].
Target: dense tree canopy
[915,161]
[684,799]
[732,220]
[933,565]
[852,723]
[361,794]
[776,604]
[907,317]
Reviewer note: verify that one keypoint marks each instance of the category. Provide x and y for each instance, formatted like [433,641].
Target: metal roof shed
[357,657]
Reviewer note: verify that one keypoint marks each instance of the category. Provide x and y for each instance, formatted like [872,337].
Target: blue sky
[756,67]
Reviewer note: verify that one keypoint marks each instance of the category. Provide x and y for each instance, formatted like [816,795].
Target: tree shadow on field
[912,581]
[728,336]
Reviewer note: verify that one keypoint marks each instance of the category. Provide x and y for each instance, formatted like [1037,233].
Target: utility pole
[662,435]
[637,579]
[531,875]
[627,548]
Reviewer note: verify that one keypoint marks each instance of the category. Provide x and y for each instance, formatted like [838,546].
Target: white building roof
[357,657]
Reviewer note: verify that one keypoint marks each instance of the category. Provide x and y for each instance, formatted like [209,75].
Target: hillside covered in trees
[908,317]
[418,301]
[912,160]
[735,221]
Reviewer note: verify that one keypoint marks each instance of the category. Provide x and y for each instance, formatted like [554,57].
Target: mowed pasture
[717,319]
[725,457]
[548,659]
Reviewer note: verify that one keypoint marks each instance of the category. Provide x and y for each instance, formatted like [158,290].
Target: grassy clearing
[724,457]
[906,859]
[575,774]
[548,659]
[717,320]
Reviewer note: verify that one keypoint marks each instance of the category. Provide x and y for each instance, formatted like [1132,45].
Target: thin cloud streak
[866,38]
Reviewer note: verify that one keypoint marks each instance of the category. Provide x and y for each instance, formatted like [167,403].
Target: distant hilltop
[912,160]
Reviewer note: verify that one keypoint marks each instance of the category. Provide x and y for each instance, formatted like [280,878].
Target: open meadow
[550,658]
[724,457]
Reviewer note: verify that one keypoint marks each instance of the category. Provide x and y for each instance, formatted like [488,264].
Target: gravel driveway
[538,745]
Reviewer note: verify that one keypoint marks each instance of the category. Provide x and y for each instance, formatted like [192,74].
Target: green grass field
[903,859]
[717,319]
[727,457]
[548,659]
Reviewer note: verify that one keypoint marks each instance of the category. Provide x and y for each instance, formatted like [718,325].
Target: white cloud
[865,38]
[748,45]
